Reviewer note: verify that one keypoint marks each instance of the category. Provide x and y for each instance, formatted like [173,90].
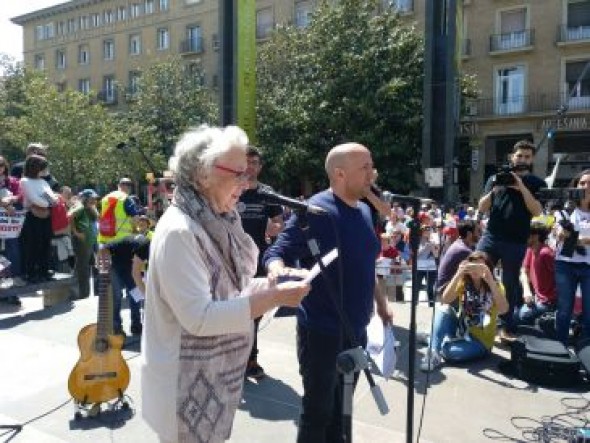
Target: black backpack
[544,361]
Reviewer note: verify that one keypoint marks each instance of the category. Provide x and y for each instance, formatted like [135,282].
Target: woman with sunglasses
[201,297]
[466,334]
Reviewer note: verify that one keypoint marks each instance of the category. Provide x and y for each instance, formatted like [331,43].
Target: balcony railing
[567,33]
[526,104]
[191,46]
[108,96]
[512,40]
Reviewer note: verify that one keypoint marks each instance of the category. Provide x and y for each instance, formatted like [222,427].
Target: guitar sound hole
[101,345]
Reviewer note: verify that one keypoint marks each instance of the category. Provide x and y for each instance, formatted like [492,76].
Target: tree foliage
[354,74]
[170,99]
[81,135]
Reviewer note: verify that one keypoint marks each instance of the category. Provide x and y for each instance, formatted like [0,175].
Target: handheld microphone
[272,197]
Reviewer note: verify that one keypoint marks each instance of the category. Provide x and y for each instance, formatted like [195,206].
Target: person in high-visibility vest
[119,213]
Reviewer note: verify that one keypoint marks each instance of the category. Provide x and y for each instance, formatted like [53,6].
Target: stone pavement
[38,348]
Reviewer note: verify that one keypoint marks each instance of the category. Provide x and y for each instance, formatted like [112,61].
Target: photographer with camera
[509,198]
[572,265]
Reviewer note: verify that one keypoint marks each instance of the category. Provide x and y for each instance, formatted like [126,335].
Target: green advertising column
[246,67]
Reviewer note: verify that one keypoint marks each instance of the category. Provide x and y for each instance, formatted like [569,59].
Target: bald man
[350,171]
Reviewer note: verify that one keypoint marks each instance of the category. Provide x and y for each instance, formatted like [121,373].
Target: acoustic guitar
[101,373]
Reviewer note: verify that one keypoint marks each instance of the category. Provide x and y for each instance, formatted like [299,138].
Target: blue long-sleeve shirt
[359,250]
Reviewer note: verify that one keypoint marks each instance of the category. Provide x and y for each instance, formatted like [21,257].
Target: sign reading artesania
[566,123]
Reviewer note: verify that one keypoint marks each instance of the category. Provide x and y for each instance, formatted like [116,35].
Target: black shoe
[254,370]
[136,329]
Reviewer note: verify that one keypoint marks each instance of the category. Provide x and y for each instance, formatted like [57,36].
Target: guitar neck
[105,308]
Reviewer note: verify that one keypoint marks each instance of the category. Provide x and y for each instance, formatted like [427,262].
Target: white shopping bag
[381,346]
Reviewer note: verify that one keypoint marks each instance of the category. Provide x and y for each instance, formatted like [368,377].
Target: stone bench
[61,288]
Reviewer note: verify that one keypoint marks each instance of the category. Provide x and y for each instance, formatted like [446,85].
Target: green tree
[81,135]
[354,74]
[170,98]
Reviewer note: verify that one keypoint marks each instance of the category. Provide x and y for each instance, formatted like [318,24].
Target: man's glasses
[239,175]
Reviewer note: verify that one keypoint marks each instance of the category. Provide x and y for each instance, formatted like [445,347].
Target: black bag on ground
[545,362]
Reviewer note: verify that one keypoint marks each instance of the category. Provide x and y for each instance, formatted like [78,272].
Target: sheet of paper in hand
[313,273]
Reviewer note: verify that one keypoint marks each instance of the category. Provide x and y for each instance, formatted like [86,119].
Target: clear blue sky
[11,36]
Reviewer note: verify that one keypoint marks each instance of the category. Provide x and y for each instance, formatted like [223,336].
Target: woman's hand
[277,274]
[290,293]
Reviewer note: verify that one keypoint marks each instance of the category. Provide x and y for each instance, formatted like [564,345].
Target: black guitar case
[544,361]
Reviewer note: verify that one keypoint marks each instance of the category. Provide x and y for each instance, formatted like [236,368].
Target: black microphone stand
[355,359]
[414,244]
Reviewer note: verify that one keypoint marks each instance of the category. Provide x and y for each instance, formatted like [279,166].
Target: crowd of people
[222,255]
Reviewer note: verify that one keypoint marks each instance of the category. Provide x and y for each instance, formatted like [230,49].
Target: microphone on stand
[272,197]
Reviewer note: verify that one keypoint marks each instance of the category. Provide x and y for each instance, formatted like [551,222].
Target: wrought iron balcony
[192,46]
[526,104]
[512,41]
[566,33]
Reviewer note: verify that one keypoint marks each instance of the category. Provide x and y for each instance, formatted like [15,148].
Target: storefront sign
[566,123]
[474,159]
[468,128]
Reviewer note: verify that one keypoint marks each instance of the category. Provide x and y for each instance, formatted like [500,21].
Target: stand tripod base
[85,410]
[15,428]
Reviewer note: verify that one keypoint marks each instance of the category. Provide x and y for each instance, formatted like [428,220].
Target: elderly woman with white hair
[201,295]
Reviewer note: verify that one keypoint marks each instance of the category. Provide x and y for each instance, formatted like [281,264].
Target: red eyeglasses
[239,175]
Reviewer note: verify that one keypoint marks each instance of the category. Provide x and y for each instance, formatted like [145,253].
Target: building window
[402,6]
[61,86]
[264,22]
[135,44]
[578,20]
[71,25]
[133,83]
[84,85]
[60,59]
[163,36]
[108,93]
[61,28]
[109,17]
[215,42]
[164,5]
[108,49]
[194,40]
[44,32]
[196,73]
[578,92]
[122,13]
[149,6]
[84,22]
[510,97]
[84,54]
[303,12]
[95,20]
[40,62]
[134,10]
[191,2]
[513,32]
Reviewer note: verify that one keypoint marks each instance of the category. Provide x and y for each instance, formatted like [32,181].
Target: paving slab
[38,350]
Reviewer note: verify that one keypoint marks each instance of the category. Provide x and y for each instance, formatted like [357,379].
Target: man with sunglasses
[262,221]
